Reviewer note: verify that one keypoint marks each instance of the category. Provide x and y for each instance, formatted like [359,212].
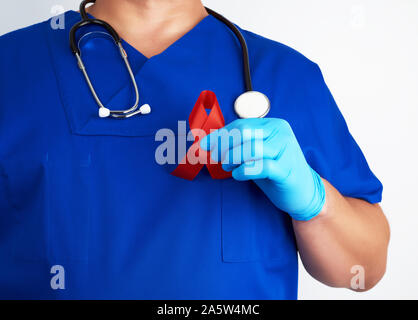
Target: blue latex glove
[266,151]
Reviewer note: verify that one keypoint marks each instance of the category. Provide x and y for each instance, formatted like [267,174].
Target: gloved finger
[271,148]
[242,130]
[211,139]
[249,151]
[222,140]
[274,131]
[253,170]
[251,123]
[268,127]
[277,170]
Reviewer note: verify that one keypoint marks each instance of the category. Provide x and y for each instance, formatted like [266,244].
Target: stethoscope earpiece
[104,112]
[145,109]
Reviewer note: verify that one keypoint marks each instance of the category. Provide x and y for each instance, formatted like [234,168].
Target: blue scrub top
[86,193]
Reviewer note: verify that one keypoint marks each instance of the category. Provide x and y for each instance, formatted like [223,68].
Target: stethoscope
[250,104]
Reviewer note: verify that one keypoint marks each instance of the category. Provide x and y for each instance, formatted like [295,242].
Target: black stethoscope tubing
[250,104]
[87,21]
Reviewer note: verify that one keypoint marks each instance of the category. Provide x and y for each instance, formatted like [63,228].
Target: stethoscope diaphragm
[252,104]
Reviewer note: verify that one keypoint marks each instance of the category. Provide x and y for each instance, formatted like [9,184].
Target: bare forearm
[348,232]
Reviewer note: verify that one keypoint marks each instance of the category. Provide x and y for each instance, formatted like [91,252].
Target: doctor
[86,212]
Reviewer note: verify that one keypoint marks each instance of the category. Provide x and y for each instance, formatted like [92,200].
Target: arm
[333,233]
[347,232]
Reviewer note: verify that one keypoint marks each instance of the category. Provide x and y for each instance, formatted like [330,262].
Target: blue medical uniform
[87,194]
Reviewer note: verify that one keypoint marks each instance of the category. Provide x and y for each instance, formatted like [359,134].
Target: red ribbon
[200,121]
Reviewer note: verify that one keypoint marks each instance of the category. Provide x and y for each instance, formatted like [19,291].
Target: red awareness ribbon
[200,120]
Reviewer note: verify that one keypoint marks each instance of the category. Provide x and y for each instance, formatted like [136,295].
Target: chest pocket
[252,228]
[50,204]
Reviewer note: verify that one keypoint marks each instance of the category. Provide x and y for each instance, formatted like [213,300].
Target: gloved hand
[266,151]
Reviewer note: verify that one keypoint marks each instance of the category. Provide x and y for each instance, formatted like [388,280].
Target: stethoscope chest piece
[252,104]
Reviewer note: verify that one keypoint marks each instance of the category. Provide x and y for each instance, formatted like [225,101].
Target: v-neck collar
[81,109]
[144,60]
[195,29]
[174,44]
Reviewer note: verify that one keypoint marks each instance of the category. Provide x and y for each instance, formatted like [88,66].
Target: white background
[368,52]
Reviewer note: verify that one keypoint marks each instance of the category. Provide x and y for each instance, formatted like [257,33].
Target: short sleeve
[329,147]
